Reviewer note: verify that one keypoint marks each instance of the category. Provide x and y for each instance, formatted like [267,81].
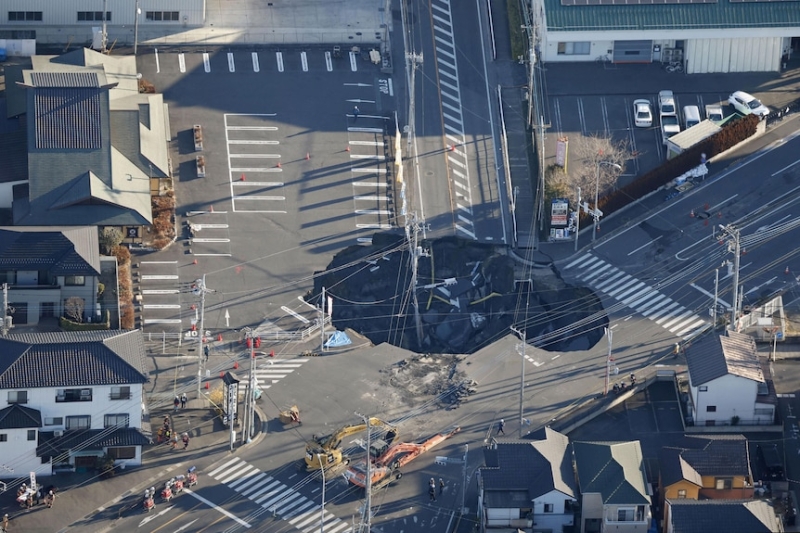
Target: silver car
[642,113]
[747,103]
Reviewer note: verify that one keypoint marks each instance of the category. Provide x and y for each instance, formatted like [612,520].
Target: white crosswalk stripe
[637,295]
[270,371]
[299,511]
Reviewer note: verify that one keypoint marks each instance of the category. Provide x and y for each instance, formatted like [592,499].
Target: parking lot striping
[160,291]
[212,255]
[298,316]
[258,184]
[158,64]
[328,62]
[206,62]
[209,239]
[365,130]
[368,184]
[378,198]
[237,170]
[181,63]
[353,62]
[361,156]
[304,61]
[581,116]
[161,320]
[218,508]
[270,198]
[279,59]
[253,128]
[158,262]
[369,170]
[240,141]
[159,276]
[231,63]
[161,306]
[257,156]
[367,143]
[391,87]
[262,211]
[604,109]
[373,211]
[373,226]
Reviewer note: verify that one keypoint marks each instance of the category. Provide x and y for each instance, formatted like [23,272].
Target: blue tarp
[339,338]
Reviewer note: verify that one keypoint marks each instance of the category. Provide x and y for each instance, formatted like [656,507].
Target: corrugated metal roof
[64,79]
[721,15]
[67,118]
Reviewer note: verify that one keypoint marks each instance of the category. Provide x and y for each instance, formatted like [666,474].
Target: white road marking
[159,276]
[645,245]
[367,143]
[304,61]
[279,58]
[371,198]
[209,226]
[368,170]
[328,62]
[368,184]
[181,63]
[257,156]
[376,157]
[258,184]
[256,68]
[158,262]
[160,291]
[353,61]
[231,64]
[161,320]
[373,226]
[158,64]
[218,508]
[271,198]
[161,306]
[215,239]
[391,87]
[298,316]
[243,141]
[253,128]
[365,130]
[373,212]
[255,169]
[206,62]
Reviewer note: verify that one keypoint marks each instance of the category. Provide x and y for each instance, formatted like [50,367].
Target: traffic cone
[272,353]
[194,262]
[278,165]
[242,178]
[211,208]
[206,385]
[308,156]
[692,213]
[219,337]
[222,374]
[786,271]
[347,149]
[235,365]
[452,147]
[192,307]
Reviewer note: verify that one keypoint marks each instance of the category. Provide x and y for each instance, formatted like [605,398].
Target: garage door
[633,51]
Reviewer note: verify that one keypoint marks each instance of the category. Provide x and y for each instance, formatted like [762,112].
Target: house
[730,516]
[528,485]
[95,147]
[67,398]
[708,467]
[613,486]
[727,385]
[46,266]
[704,36]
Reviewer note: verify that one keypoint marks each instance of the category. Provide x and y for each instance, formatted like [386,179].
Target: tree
[592,166]
[73,308]
[109,238]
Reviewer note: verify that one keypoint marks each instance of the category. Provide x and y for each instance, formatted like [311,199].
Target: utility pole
[609,360]
[412,234]
[104,37]
[578,220]
[716,295]
[464,481]
[249,397]
[322,323]
[200,289]
[521,351]
[596,212]
[366,515]
[136,43]
[5,309]
[735,246]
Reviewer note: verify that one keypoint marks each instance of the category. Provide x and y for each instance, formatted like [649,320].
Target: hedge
[68,325]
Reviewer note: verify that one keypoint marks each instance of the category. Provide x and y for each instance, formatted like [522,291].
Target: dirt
[422,378]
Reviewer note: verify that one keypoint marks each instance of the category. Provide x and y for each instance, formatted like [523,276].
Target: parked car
[669,127]
[747,103]
[642,114]
[691,116]
[714,113]
[666,104]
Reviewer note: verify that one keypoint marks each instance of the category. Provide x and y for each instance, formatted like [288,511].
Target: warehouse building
[704,35]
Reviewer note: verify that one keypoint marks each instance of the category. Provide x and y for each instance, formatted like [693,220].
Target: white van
[691,116]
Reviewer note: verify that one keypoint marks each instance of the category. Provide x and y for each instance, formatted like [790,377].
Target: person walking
[50,499]
[205,351]
[432,493]
[174,441]
[176,402]
[5,523]
[501,426]
[356,112]
[185,438]
[184,399]
[441,486]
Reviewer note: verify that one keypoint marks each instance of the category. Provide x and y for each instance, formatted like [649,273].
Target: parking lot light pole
[596,211]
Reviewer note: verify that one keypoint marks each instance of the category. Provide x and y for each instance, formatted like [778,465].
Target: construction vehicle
[326,452]
[388,460]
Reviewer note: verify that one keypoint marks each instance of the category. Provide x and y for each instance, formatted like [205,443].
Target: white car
[747,103]
[642,114]
[666,104]
[714,113]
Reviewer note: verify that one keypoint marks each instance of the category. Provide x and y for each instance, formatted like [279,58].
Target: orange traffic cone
[242,178]
[347,149]
[206,385]
[308,156]
[272,353]
[211,208]
[194,262]
[786,271]
[692,213]
[278,165]
[219,337]
[235,365]
[452,147]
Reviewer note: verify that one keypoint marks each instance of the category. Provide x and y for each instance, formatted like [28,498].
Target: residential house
[95,146]
[613,485]
[45,266]
[730,516]
[727,385]
[528,485]
[707,467]
[68,397]
[704,36]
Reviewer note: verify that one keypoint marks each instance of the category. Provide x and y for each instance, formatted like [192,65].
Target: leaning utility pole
[521,351]
[5,309]
[366,515]
[735,246]
[200,289]
[412,234]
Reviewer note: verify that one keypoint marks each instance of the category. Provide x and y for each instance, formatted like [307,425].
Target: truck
[325,452]
[389,459]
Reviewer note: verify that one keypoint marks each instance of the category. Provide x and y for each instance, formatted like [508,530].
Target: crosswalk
[271,371]
[277,498]
[637,295]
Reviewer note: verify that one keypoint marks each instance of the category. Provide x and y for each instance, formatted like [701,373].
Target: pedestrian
[205,351]
[176,402]
[5,523]
[432,493]
[356,111]
[184,399]
[50,499]
[441,486]
[185,439]
[633,378]
[501,426]
[174,442]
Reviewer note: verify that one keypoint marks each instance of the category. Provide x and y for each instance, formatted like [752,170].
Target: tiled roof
[536,467]
[17,416]
[88,439]
[730,516]
[714,456]
[72,251]
[674,468]
[722,14]
[72,359]
[719,355]
[67,118]
[615,470]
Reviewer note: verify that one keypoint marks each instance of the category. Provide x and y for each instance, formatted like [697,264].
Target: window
[120,420]
[74,281]
[127,452]
[24,16]
[681,493]
[74,395]
[548,508]
[162,15]
[723,483]
[31,434]
[703,388]
[79,422]
[17,396]
[54,421]
[3,437]
[93,16]
[120,393]
[581,48]
[625,514]
[8,276]
[711,409]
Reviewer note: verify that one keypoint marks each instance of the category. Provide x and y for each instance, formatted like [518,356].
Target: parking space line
[365,130]
[373,212]
[367,184]
[161,321]
[361,156]
[253,128]
[581,116]
[271,198]
[328,62]
[181,63]
[369,170]
[373,226]
[161,291]
[158,262]
[231,64]
[158,276]
[206,62]
[367,143]
[258,184]
[255,169]
[304,61]
[253,142]
[279,59]
[268,211]
[257,156]
[378,198]
[557,116]
[256,68]
[353,62]
[158,64]
[604,112]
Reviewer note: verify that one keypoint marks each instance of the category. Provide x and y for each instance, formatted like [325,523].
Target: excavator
[389,459]
[325,452]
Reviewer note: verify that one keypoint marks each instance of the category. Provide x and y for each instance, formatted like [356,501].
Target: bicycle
[602,59]
[674,66]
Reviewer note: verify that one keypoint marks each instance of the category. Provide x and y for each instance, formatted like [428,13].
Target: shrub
[122,254]
[127,320]
[68,325]
[110,237]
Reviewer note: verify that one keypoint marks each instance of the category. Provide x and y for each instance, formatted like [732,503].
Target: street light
[322,507]
[597,192]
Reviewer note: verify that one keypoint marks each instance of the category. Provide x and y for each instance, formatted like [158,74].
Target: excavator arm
[329,445]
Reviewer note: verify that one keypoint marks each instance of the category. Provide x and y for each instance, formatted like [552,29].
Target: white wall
[6,193]
[756,54]
[732,395]
[65,12]
[19,454]
[558,518]
[18,48]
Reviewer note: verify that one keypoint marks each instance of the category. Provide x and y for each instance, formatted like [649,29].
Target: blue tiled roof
[43,250]
[17,416]
[88,439]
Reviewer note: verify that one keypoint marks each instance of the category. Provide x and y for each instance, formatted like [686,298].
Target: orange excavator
[388,460]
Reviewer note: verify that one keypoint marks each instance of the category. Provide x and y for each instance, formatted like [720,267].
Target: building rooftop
[730,516]
[615,470]
[719,355]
